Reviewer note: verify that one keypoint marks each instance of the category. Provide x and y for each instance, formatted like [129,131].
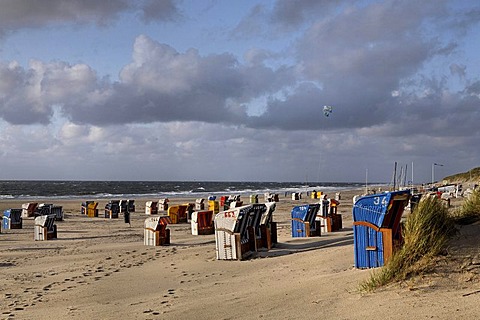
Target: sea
[34,189]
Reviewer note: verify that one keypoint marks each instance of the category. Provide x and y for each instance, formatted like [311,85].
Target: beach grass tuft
[470,210]
[426,232]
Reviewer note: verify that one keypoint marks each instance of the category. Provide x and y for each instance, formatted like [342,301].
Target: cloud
[160,84]
[15,15]
[160,10]
[354,60]
[459,70]
[386,68]
[295,12]
[29,96]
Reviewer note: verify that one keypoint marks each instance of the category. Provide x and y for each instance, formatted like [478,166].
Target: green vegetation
[471,175]
[425,233]
[470,210]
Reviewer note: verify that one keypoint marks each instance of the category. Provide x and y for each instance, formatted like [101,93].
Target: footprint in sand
[150,311]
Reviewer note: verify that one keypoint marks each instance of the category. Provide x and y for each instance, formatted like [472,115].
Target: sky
[235,90]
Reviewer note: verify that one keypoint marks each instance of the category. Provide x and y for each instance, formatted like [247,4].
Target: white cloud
[183,114]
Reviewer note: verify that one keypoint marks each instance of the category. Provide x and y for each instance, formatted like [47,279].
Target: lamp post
[433,170]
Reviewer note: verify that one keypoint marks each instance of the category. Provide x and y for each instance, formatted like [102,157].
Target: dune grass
[470,210]
[425,234]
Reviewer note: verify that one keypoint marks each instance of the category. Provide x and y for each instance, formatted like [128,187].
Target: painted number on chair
[380,200]
[229,214]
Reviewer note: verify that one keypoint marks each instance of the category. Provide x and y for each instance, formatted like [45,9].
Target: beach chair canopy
[156,223]
[46,221]
[233,220]
[267,215]
[306,213]
[382,210]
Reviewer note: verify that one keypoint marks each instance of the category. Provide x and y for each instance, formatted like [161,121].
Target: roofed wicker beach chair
[45,228]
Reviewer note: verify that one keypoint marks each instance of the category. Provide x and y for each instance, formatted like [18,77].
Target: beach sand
[100,269]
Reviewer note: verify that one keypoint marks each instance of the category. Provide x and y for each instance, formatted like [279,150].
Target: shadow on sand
[307,244]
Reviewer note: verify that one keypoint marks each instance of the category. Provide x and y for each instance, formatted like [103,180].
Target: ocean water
[11,189]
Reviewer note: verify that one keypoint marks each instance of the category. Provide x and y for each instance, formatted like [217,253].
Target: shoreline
[45,190]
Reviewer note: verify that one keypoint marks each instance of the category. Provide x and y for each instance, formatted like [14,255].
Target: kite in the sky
[327,110]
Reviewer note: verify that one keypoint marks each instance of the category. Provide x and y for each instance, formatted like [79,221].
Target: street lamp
[433,170]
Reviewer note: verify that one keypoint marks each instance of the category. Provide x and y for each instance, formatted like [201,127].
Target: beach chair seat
[28,209]
[151,207]
[222,201]
[304,223]
[376,227]
[329,220]
[235,229]
[156,232]
[92,210]
[123,206]
[202,222]
[214,205]
[163,204]
[58,212]
[89,208]
[42,209]
[271,197]
[178,213]
[316,194]
[231,201]
[189,210]
[112,209]
[236,204]
[12,219]
[199,204]
[268,228]
[326,224]
[45,228]
[83,207]
[131,205]
[331,223]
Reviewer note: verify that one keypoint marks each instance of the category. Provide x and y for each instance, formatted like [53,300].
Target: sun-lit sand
[100,269]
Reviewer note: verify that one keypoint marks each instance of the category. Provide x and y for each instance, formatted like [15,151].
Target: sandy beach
[100,269]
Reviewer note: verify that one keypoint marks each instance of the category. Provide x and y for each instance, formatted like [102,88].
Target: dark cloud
[473,89]
[34,13]
[284,16]
[160,10]
[458,70]
[295,12]
[15,15]
[365,61]
[370,63]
